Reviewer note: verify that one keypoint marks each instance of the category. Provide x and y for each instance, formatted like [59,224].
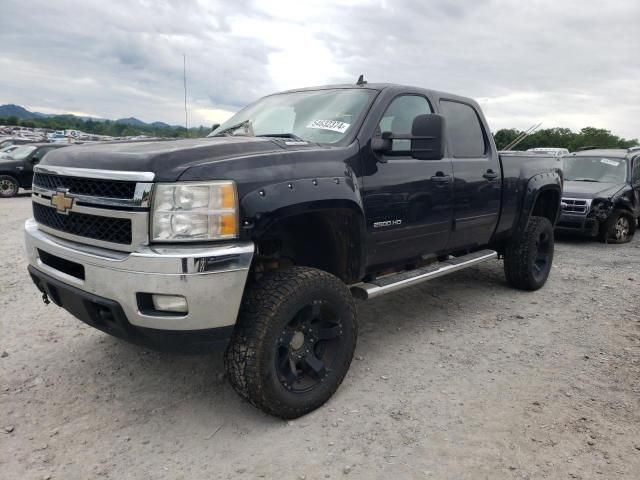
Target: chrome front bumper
[212,278]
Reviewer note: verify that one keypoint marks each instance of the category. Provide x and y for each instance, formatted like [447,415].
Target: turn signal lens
[226,197]
[228,226]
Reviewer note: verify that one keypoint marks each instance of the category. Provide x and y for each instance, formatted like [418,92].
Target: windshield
[595,169]
[22,152]
[323,116]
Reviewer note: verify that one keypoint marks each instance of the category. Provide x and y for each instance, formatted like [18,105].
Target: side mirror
[214,126]
[383,143]
[427,134]
[35,160]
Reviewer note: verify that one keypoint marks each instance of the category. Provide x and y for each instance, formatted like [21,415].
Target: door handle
[440,177]
[490,175]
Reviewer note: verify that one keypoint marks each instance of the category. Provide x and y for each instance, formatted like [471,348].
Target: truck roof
[606,152]
[378,87]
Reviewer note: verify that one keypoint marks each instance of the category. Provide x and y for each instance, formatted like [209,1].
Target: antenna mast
[184,76]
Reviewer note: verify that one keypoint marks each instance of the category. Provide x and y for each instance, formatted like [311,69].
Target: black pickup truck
[259,237]
[16,167]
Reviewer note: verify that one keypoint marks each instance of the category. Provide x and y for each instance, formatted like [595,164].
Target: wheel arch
[320,221]
[542,197]
[328,235]
[10,174]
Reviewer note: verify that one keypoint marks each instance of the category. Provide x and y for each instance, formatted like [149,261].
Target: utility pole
[184,76]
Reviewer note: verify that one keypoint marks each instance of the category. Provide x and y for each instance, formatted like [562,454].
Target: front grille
[575,206]
[106,229]
[86,186]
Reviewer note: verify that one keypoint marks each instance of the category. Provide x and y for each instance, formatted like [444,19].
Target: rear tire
[619,228]
[8,186]
[294,341]
[528,258]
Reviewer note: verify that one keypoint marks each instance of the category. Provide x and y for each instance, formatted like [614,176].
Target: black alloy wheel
[543,255]
[308,346]
[293,342]
[528,257]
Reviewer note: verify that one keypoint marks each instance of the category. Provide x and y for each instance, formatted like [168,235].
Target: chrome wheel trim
[8,187]
[622,228]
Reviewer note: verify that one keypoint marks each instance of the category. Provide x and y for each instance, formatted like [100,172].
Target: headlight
[184,212]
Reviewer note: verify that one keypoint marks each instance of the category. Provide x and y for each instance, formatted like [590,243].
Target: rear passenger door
[477,178]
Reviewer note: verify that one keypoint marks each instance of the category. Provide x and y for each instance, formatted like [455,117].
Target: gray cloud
[570,63]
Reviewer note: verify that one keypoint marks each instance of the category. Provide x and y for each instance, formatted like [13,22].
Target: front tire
[528,258]
[8,186]
[619,228]
[293,342]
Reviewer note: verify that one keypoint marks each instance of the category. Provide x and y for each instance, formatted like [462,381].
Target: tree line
[564,138]
[548,137]
[103,127]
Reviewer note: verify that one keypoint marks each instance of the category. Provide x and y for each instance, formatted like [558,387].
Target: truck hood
[574,189]
[170,159]
[7,160]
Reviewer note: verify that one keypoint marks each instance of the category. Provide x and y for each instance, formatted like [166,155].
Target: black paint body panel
[277,178]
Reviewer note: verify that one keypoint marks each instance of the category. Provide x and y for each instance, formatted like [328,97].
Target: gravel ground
[460,378]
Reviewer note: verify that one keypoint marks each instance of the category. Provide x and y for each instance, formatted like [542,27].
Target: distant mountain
[18,111]
[22,113]
[134,122]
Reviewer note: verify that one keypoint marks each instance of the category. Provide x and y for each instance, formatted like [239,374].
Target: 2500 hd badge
[387,223]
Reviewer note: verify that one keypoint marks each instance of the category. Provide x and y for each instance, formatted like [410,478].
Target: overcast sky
[563,63]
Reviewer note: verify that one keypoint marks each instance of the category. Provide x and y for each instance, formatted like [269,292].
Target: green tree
[564,138]
[505,136]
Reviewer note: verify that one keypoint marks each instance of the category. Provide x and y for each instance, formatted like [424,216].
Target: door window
[635,175]
[464,129]
[41,153]
[398,119]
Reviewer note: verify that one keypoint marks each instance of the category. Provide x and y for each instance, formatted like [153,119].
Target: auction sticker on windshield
[333,125]
[609,162]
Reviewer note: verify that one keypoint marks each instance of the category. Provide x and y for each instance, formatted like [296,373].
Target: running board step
[397,281]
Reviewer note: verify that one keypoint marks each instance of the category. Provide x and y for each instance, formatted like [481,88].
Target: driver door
[408,202]
[31,161]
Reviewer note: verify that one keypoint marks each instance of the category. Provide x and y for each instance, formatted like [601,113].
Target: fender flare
[263,207]
[536,185]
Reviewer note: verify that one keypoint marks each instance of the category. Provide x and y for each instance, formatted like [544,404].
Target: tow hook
[45,298]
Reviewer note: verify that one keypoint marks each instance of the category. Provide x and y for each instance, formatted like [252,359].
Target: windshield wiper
[248,129]
[584,180]
[293,136]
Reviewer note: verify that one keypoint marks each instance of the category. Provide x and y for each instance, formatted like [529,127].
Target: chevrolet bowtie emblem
[61,201]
